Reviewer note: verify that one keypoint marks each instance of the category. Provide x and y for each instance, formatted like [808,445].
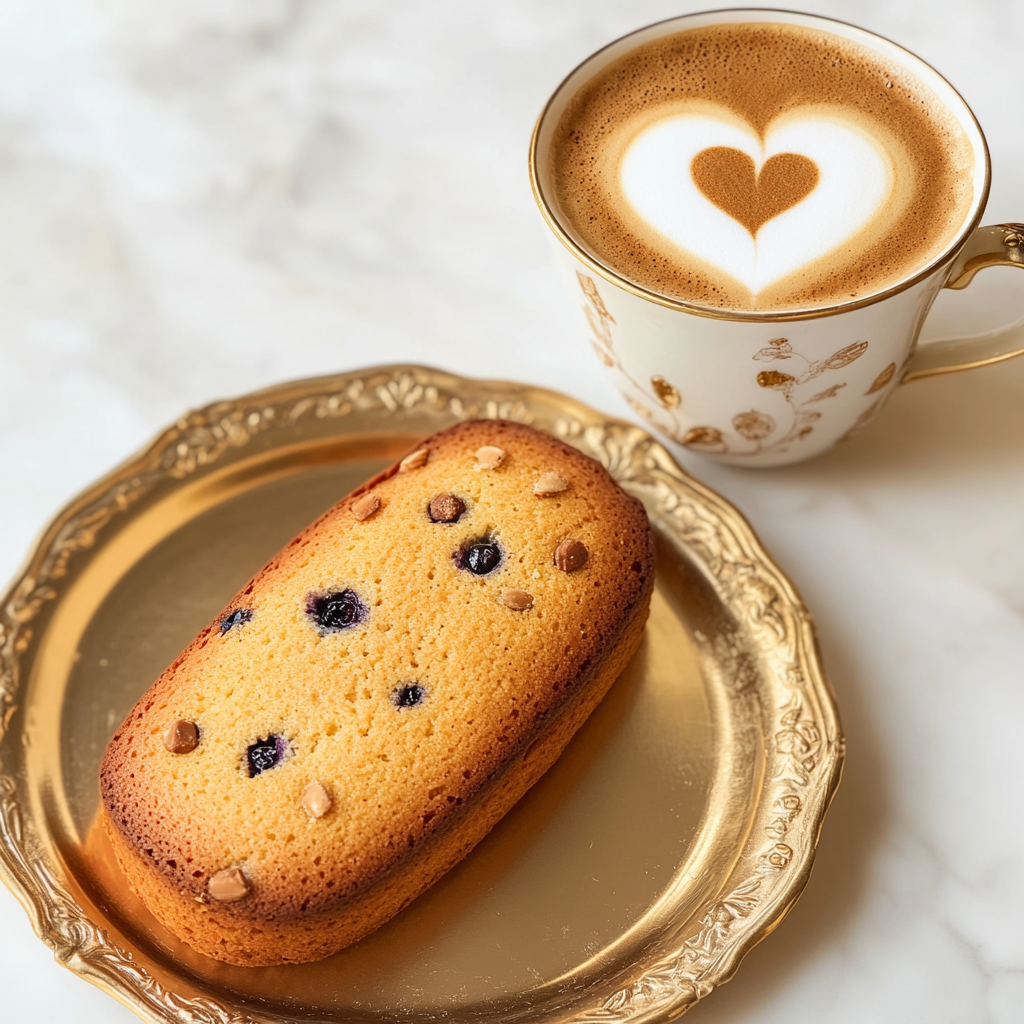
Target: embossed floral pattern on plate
[757,658]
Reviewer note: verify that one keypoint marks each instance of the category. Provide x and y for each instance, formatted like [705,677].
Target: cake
[372,702]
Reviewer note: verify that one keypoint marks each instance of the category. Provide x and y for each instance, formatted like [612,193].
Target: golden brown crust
[494,692]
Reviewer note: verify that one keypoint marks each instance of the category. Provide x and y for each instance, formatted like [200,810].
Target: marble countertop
[203,197]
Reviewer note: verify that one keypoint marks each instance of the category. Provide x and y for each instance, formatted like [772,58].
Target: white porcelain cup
[761,388]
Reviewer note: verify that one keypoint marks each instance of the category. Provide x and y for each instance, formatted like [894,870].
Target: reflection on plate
[673,834]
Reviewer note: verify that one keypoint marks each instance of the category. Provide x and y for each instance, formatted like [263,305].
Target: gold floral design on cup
[753,425]
[666,394]
[882,379]
[757,426]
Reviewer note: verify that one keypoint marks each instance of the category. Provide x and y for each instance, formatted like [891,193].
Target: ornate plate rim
[805,750]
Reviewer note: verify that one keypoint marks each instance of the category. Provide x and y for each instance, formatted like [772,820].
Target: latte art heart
[730,180]
[755,166]
[758,210]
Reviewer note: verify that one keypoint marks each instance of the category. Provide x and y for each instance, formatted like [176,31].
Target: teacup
[780,374]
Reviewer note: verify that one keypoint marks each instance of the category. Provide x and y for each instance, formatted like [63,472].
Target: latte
[760,167]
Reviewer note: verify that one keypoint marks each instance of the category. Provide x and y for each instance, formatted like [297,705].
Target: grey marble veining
[201,198]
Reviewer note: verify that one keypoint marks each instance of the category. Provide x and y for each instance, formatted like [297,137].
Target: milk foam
[856,176]
[893,169]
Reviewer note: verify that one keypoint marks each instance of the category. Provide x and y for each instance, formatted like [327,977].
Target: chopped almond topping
[365,506]
[316,801]
[517,600]
[549,484]
[228,885]
[414,460]
[489,457]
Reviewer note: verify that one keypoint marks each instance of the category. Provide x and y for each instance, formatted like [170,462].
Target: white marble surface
[200,197]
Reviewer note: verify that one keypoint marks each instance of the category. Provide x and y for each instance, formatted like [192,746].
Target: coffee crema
[760,167]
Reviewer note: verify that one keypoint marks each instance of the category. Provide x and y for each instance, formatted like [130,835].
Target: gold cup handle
[999,245]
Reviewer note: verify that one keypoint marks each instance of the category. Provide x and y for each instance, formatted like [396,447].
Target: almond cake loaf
[379,695]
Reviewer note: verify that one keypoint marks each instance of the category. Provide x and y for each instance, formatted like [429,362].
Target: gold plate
[673,834]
